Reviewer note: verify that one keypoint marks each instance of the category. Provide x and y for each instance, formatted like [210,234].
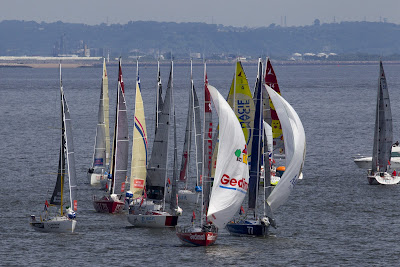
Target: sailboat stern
[248,228]
[196,236]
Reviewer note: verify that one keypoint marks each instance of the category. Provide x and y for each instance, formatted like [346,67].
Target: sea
[333,216]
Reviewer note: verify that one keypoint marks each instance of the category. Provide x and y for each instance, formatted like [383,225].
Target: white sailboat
[139,147]
[151,209]
[100,161]
[383,137]
[365,162]
[231,177]
[113,201]
[193,127]
[252,223]
[64,221]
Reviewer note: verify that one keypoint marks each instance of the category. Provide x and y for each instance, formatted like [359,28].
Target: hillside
[154,38]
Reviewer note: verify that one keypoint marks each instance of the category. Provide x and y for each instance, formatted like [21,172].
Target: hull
[365,162]
[385,179]
[153,220]
[106,205]
[198,238]
[95,178]
[247,228]
[54,225]
[187,196]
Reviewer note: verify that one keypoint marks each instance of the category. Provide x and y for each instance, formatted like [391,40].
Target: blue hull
[243,228]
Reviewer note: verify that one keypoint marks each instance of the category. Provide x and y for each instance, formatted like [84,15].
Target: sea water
[333,216]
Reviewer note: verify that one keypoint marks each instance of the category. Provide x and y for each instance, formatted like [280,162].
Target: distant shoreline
[98,63]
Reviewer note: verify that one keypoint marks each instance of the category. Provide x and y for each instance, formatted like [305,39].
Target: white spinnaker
[226,198]
[295,148]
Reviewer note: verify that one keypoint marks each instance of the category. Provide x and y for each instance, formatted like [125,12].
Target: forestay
[70,154]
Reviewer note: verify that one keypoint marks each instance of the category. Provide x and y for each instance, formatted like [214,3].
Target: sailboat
[241,101]
[294,136]
[139,147]
[65,221]
[100,161]
[193,125]
[383,137]
[151,210]
[230,181]
[271,117]
[113,201]
[252,224]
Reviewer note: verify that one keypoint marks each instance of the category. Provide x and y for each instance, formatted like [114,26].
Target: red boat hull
[198,238]
[108,206]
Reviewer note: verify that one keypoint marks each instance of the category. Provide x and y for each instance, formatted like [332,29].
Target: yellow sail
[106,112]
[241,101]
[139,147]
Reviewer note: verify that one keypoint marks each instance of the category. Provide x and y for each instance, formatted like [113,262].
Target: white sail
[139,146]
[157,167]
[70,153]
[295,148]
[99,155]
[231,173]
[383,134]
[121,141]
[106,112]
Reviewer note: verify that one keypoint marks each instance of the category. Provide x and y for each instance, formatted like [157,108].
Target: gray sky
[251,13]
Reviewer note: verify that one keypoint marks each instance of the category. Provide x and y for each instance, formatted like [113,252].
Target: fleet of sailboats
[251,127]
[62,221]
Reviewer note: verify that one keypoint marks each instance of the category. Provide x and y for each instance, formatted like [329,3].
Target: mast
[70,155]
[121,139]
[208,149]
[173,201]
[62,146]
[159,100]
[256,144]
[106,107]
[197,132]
